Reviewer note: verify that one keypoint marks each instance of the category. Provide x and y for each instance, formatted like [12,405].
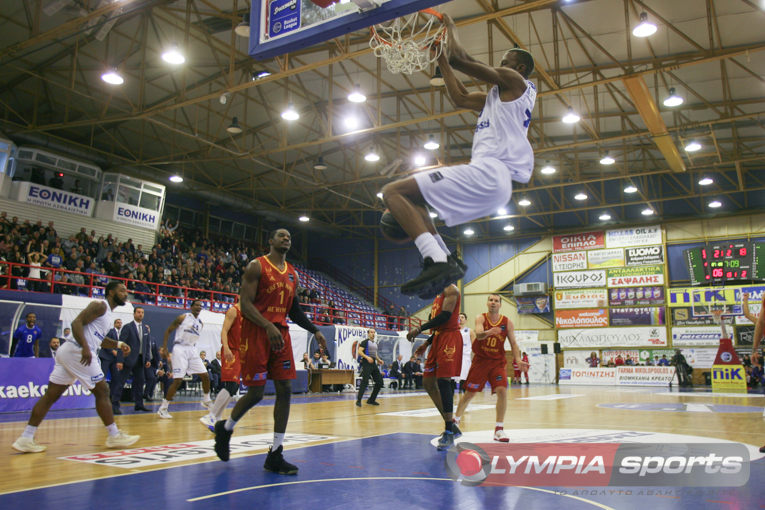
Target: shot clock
[725,262]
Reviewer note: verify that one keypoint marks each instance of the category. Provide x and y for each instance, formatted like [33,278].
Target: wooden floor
[531,409]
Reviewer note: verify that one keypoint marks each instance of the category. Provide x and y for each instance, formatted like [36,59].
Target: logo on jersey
[482,125]
[436,176]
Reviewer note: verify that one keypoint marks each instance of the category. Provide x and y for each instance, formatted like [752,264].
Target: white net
[405,43]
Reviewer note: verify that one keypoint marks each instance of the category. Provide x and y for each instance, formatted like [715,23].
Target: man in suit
[150,370]
[112,361]
[137,335]
[215,371]
[397,370]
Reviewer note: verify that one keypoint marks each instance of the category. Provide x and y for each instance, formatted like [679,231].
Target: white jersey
[188,332]
[97,330]
[502,132]
[467,350]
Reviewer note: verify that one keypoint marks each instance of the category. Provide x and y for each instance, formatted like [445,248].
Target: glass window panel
[127,195]
[45,159]
[150,201]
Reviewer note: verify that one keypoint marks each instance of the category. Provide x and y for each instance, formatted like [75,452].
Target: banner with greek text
[136,216]
[347,339]
[613,337]
[683,316]
[584,298]
[634,236]
[644,255]
[569,261]
[645,316]
[644,376]
[24,380]
[636,296]
[632,276]
[574,279]
[576,242]
[597,318]
[53,198]
[701,335]
[599,259]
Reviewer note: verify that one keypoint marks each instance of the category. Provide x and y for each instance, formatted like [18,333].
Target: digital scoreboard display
[726,262]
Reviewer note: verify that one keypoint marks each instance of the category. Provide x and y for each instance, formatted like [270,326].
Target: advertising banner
[647,316]
[597,318]
[655,355]
[576,359]
[744,335]
[644,376]
[53,198]
[527,335]
[644,255]
[705,297]
[599,259]
[576,242]
[632,276]
[542,368]
[347,339]
[728,378]
[635,236]
[699,358]
[593,298]
[699,335]
[576,279]
[645,336]
[570,261]
[636,296]
[593,376]
[24,380]
[136,216]
[684,317]
[611,354]
[533,304]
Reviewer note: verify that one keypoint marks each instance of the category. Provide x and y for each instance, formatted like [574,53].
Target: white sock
[165,404]
[29,431]
[112,429]
[221,401]
[456,420]
[441,243]
[428,247]
[500,425]
[229,425]
[278,440]
[206,397]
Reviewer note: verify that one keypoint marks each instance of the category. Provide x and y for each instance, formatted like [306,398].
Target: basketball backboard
[280,26]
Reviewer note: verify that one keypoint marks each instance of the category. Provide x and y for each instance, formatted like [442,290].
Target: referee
[368,360]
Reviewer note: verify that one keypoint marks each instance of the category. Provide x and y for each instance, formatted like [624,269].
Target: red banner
[596,318]
[582,241]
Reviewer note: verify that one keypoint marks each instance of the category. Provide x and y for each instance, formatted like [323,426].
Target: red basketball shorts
[484,370]
[445,355]
[258,361]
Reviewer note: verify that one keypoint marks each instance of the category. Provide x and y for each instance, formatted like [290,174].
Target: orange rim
[430,11]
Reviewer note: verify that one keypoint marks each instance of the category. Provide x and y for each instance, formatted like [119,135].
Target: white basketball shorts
[69,369]
[462,193]
[186,361]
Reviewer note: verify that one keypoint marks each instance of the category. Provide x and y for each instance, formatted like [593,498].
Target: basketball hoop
[405,43]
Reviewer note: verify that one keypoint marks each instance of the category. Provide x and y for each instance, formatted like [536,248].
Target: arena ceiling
[167,120]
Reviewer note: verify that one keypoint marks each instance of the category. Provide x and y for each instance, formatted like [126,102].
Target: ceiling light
[502,211]
[320,164]
[673,99]
[630,189]
[508,228]
[356,95]
[437,80]
[645,28]
[380,195]
[431,144]
[112,77]
[256,75]
[372,156]
[290,113]
[580,196]
[714,204]
[468,231]
[234,128]
[433,215]
[604,217]
[176,179]
[524,202]
[304,218]
[243,28]
[571,117]
[548,169]
[647,212]
[173,56]
[693,146]
[351,122]
[420,160]
[706,181]
[607,160]
[223,99]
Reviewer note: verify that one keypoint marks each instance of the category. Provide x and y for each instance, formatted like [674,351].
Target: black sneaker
[373,403]
[458,261]
[275,462]
[456,431]
[433,278]
[222,438]
[358,403]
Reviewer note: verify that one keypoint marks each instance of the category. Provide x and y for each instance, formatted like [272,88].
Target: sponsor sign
[347,339]
[699,358]
[536,304]
[25,380]
[53,198]
[745,335]
[180,452]
[576,359]
[702,299]
[636,236]
[598,259]
[729,378]
[644,336]
[542,368]
[596,376]
[597,318]
[655,355]
[644,255]
[684,317]
[632,276]
[636,296]
[527,335]
[648,316]
[585,298]
[575,279]
[644,376]
[284,16]
[699,335]
[611,354]
[136,216]
[575,242]
[571,261]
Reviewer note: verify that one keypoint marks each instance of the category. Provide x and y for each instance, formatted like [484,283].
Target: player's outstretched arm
[172,327]
[745,307]
[457,91]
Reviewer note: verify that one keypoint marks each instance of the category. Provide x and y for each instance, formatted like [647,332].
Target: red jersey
[453,324]
[276,290]
[492,347]
[235,332]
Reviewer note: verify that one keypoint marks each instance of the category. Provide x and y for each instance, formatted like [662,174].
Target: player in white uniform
[501,154]
[185,357]
[467,350]
[78,361]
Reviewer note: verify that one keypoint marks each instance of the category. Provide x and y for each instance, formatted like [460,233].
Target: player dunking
[501,153]
[267,296]
[444,358]
[75,361]
[185,358]
[489,362]
[230,335]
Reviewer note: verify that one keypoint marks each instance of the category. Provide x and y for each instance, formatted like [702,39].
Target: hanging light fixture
[673,99]
[176,179]
[319,164]
[431,144]
[548,169]
[604,217]
[356,96]
[693,146]
[243,28]
[607,159]
[571,117]
[645,28]
[173,56]
[234,128]
[372,156]
[290,113]
[437,80]
[113,77]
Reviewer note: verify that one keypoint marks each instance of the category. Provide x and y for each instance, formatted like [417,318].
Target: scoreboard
[724,262]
